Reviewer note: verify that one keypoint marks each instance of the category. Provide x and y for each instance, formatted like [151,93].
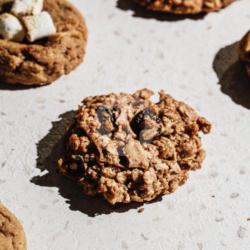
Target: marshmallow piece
[39,26]
[11,28]
[27,7]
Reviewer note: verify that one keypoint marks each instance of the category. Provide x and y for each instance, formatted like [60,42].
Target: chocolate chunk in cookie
[45,60]
[244,52]
[12,235]
[184,7]
[128,148]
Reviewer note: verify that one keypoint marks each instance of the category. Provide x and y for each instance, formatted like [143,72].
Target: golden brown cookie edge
[19,232]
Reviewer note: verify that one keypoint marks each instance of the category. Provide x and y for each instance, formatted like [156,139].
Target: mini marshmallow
[11,28]
[27,7]
[39,26]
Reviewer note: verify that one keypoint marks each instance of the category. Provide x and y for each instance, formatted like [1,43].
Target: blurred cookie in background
[184,7]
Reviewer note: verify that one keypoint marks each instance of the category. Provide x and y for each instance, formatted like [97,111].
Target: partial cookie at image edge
[244,52]
[12,236]
[184,7]
[45,61]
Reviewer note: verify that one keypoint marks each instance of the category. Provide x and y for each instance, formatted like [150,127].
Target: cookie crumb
[140,210]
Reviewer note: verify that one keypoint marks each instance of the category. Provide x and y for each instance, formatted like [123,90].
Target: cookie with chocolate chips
[244,52]
[128,148]
[184,7]
[12,235]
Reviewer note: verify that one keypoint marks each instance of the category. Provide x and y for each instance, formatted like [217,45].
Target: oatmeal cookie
[244,52]
[44,61]
[184,7]
[12,235]
[128,148]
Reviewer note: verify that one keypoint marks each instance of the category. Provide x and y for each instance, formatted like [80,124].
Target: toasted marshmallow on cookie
[11,28]
[39,26]
[27,7]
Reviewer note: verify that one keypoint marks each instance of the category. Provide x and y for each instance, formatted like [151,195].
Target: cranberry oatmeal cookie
[184,6]
[12,236]
[40,62]
[244,52]
[128,148]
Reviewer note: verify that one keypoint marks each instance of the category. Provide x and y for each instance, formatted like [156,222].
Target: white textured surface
[127,51]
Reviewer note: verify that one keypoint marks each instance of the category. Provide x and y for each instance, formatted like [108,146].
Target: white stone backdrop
[192,59]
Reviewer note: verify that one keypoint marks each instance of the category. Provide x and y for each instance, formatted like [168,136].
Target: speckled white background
[129,49]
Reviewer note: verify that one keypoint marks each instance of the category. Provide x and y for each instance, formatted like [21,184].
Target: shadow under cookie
[232,76]
[14,87]
[139,11]
[49,149]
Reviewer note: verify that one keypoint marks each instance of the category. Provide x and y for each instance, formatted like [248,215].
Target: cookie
[244,52]
[45,61]
[184,7]
[12,235]
[128,148]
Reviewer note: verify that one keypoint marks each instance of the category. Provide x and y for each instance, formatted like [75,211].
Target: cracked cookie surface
[12,236]
[184,7]
[46,60]
[128,148]
[244,52]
